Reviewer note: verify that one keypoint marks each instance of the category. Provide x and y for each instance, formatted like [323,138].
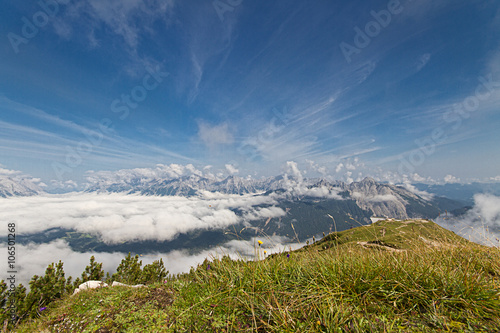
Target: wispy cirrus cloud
[124,18]
[32,143]
[423,61]
[30,111]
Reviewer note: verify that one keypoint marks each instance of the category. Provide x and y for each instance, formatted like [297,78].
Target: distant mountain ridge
[185,186]
[379,198]
[10,187]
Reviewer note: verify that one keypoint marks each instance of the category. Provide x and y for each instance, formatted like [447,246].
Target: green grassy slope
[392,276]
[400,235]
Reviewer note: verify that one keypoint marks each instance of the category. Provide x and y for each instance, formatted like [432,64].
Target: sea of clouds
[117,218]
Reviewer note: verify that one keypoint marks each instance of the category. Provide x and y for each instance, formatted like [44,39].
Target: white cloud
[71,184]
[193,170]
[319,169]
[423,61]
[215,135]
[321,192]
[292,169]
[481,224]
[416,177]
[65,185]
[263,213]
[350,166]
[493,65]
[118,218]
[296,185]
[348,177]
[488,207]
[124,18]
[422,194]
[363,72]
[7,172]
[451,179]
[231,169]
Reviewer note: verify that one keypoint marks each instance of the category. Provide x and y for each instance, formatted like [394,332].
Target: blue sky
[390,89]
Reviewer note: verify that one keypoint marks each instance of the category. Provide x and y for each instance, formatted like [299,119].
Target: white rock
[116,283]
[92,285]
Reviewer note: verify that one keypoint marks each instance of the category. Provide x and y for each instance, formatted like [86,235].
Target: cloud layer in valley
[118,218]
[481,224]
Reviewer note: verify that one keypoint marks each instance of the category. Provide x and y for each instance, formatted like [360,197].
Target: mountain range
[11,187]
[379,199]
[309,206]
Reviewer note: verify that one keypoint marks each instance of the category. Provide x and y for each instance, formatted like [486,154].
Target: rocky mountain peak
[10,187]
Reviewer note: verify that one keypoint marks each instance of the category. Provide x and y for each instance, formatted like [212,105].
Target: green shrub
[46,289]
[93,272]
[129,271]
[154,272]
